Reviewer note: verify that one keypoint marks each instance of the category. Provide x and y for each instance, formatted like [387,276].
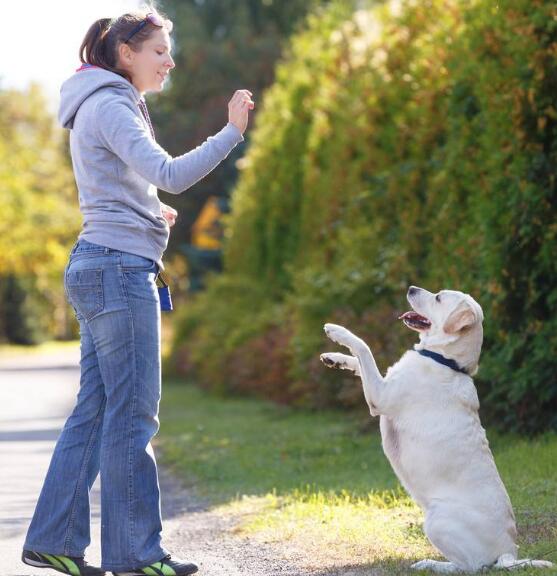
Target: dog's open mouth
[415,321]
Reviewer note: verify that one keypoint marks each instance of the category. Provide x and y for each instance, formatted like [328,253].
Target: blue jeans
[116,415]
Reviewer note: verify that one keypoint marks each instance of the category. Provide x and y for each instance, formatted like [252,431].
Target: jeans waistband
[85,246]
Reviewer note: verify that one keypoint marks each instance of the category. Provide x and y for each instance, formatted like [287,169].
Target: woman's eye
[160,53]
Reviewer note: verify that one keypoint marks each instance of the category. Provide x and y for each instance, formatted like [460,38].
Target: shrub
[411,143]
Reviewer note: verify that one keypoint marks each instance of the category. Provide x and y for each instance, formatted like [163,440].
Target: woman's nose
[170,63]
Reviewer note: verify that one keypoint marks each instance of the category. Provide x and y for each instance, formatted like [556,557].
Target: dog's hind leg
[467,536]
[342,361]
[509,562]
[372,381]
[436,566]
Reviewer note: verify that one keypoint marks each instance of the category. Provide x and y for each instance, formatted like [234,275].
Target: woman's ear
[125,55]
[461,317]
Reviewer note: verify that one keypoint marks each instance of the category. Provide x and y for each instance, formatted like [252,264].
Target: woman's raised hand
[238,109]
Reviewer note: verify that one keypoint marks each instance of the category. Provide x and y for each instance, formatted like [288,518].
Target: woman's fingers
[245,102]
[238,108]
[240,95]
[169,214]
[243,93]
[168,209]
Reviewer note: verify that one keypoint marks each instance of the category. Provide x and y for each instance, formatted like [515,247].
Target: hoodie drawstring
[145,112]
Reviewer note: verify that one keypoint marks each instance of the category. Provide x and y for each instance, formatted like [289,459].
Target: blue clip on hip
[164,293]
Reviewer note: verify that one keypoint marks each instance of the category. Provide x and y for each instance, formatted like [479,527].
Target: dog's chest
[415,449]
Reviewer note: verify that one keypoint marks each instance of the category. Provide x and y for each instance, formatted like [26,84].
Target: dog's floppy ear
[461,317]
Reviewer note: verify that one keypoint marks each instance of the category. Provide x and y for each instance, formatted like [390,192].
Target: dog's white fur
[433,437]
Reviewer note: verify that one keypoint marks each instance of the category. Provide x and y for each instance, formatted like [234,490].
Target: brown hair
[101,43]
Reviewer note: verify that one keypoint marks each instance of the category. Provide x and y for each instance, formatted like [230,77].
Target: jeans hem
[127,568]
[58,551]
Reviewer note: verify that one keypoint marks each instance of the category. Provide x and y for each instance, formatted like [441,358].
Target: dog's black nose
[412,290]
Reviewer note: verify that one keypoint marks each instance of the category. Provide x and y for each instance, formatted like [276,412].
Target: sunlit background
[40,40]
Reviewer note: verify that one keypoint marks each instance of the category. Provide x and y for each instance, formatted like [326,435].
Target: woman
[110,282]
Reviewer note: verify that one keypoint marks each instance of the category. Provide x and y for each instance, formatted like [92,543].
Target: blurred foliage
[219,47]
[409,143]
[39,219]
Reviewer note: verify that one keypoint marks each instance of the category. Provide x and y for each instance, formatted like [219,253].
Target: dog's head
[448,322]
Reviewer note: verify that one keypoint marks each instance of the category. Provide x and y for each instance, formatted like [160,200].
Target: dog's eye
[438,298]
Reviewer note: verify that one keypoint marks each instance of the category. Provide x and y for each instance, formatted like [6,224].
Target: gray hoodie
[118,166]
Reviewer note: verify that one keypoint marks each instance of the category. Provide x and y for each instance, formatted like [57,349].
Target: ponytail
[93,48]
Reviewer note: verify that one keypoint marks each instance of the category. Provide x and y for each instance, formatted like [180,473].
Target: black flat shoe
[164,567]
[66,564]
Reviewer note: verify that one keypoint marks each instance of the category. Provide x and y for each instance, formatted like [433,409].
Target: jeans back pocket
[85,291]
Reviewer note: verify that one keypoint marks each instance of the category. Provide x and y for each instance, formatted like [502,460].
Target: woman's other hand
[169,214]
[238,109]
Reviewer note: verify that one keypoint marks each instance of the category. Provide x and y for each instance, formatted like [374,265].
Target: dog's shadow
[394,567]
[390,566]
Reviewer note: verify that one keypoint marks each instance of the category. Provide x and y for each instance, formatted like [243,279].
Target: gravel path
[36,395]
[192,530]
[210,538]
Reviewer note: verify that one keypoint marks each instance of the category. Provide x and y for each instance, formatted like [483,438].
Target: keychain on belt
[164,293]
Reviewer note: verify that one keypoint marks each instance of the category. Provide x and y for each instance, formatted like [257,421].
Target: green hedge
[411,143]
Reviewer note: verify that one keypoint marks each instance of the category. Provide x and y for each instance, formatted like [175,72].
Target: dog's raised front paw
[328,360]
[342,361]
[339,334]
[333,360]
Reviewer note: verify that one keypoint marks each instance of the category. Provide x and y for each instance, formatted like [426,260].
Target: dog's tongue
[411,315]
[415,318]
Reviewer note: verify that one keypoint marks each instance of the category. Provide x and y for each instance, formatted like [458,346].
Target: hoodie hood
[84,82]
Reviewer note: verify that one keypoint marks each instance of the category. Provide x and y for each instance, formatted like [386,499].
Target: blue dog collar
[442,360]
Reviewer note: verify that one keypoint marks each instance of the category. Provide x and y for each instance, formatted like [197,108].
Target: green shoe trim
[63,563]
[167,570]
[73,567]
[159,568]
[55,562]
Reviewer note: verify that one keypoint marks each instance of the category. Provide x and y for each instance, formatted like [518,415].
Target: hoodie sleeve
[121,130]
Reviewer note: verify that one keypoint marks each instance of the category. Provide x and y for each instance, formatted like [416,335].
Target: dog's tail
[509,562]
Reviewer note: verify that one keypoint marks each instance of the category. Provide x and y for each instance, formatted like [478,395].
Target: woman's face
[149,67]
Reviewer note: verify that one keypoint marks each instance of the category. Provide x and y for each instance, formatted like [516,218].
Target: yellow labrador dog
[432,434]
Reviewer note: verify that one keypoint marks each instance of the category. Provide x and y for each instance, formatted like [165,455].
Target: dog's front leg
[372,381]
[342,361]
